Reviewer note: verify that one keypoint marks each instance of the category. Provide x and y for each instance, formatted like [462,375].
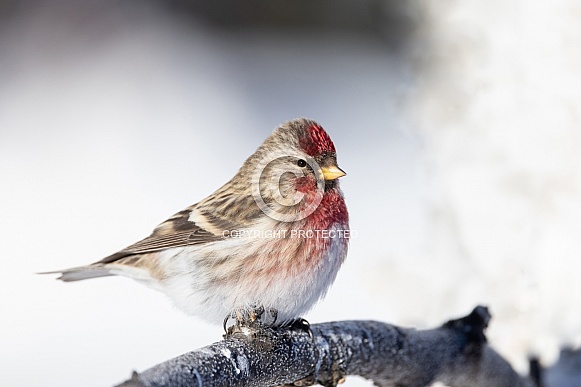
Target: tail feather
[82,273]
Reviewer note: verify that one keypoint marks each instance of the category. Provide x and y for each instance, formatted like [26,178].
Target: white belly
[192,284]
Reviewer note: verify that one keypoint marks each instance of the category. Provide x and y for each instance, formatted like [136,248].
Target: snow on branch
[455,354]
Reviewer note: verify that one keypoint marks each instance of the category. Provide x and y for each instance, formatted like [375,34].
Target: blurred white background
[457,123]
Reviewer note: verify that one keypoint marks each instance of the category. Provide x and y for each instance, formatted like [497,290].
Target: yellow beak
[332,172]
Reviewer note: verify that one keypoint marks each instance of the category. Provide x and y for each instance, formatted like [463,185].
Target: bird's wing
[187,227]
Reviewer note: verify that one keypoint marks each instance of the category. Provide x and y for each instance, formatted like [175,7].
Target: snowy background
[457,123]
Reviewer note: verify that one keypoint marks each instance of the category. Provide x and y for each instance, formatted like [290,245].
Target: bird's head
[294,169]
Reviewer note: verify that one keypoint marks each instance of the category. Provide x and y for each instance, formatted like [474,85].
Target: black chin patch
[330,184]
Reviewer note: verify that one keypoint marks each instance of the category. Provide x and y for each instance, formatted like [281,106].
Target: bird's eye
[301,163]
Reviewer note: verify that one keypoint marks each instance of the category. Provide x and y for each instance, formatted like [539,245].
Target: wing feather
[177,231]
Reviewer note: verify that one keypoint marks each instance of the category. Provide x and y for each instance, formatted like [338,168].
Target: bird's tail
[82,272]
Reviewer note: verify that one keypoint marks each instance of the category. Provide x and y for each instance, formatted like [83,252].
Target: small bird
[272,238]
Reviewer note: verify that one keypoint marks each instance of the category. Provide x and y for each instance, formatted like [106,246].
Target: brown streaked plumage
[216,257]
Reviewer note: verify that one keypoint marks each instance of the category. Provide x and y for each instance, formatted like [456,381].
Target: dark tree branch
[455,354]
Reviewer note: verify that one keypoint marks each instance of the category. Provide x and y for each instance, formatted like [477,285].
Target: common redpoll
[272,238]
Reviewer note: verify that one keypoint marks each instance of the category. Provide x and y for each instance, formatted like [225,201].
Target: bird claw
[300,324]
[253,318]
[225,323]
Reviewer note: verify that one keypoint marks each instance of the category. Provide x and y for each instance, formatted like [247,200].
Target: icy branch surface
[455,353]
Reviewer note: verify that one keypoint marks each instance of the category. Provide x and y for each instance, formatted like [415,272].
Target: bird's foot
[253,319]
